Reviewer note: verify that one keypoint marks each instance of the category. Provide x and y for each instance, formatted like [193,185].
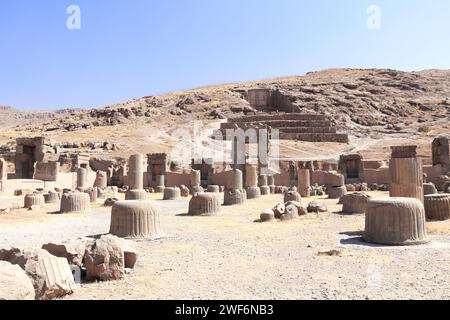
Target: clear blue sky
[134,48]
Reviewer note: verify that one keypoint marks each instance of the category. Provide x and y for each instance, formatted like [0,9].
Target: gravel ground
[231,256]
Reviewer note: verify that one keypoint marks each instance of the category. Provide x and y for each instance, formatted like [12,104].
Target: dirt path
[232,257]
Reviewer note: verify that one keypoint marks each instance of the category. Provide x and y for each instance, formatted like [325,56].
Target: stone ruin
[406,173]
[291,126]
[352,167]
[157,166]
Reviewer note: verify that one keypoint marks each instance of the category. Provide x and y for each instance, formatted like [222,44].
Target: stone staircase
[291,126]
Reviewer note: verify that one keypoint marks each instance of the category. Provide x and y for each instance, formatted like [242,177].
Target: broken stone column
[335,185]
[406,173]
[354,203]
[3,170]
[101,179]
[136,178]
[234,192]
[136,219]
[429,188]
[52,197]
[160,184]
[395,221]
[441,152]
[34,200]
[251,182]
[263,186]
[271,184]
[75,202]
[82,179]
[195,182]
[172,193]
[437,207]
[304,183]
[204,204]
[213,189]
[136,172]
[51,276]
[93,194]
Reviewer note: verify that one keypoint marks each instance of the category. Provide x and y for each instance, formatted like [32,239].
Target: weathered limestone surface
[136,219]
[437,207]
[75,202]
[204,204]
[395,221]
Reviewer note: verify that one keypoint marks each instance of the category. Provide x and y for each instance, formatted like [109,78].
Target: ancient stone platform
[291,126]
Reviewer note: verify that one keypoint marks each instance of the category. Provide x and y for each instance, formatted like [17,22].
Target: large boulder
[104,260]
[14,283]
[51,276]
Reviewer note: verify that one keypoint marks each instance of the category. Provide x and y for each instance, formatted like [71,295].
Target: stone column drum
[160,184]
[136,178]
[136,219]
[395,221]
[82,182]
[406,174]
[136,172]
[304,183]
[234,193]
[101,179]
[251,182]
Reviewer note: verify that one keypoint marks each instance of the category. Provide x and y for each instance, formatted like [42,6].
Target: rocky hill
[364,103]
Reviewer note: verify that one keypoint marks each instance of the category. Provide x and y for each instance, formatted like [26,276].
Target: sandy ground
[230,256]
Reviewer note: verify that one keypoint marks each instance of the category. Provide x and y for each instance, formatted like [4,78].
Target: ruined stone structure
[93,194]
[46,171]
[204,204]
[395,221]
[271,184]
[3,173]
[429,188]
[157,166]
[34,200]
[136,219]
[136,178]
[213,189]
[406,173]
[136,172]
[437,207]
[234,192]
[101,179]
[75,202]
[195,182]
[294,126]
[30,151]
[263,99]
[352,167]
[335,184]
[82,181]
[354,203]
[304,183]
[172,193]
[251,182]
[205,167]
[52,197]
[441,152]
